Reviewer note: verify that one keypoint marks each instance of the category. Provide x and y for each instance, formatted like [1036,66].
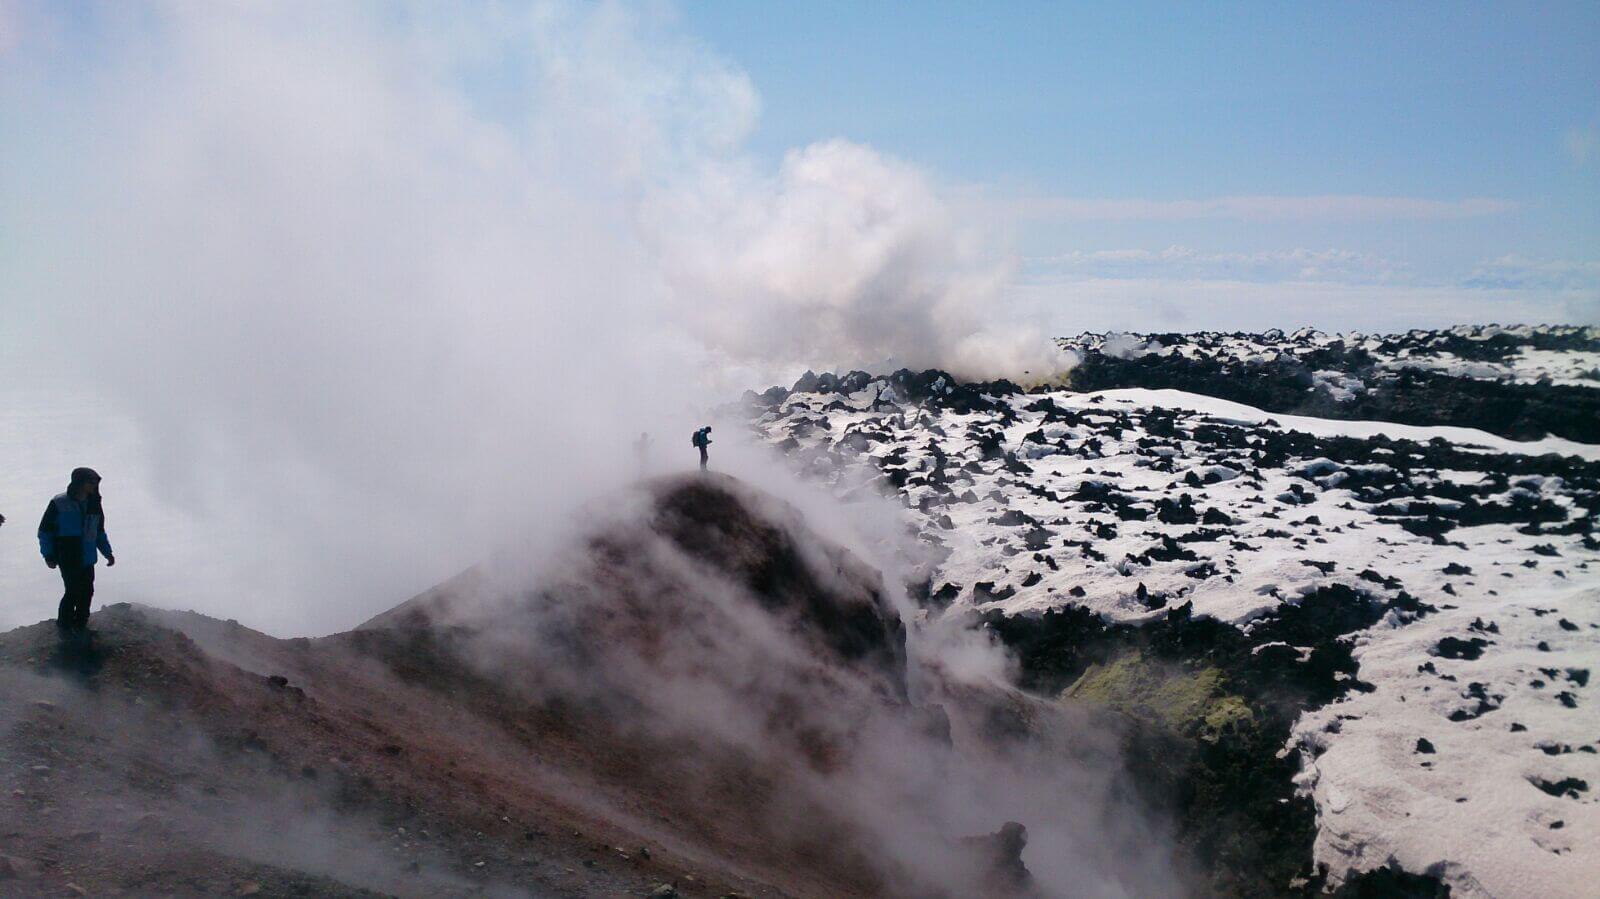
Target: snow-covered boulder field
[1406,616]
[1528,354]
[1523,381]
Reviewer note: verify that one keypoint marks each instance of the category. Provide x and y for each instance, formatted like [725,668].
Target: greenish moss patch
[1191,700]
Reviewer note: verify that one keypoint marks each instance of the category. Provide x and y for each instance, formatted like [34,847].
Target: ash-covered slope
[1523,382]
[621,597]
[701,691]
[1340,643]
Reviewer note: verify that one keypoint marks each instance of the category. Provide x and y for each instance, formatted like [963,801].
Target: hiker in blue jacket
[702,439]
[72,536]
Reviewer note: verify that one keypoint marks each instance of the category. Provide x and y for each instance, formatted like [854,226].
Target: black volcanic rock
[1570,787]
[940,388]
[1456,648]
[998,858]
[1392,882]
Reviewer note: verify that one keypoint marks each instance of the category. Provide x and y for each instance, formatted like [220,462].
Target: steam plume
[377,286]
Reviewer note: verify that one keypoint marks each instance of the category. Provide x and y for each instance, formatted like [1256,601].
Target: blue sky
[1145,166]
[1443,103]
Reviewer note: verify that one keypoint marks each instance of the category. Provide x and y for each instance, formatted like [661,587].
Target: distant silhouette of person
[72,535]
[702,439]
[641,453]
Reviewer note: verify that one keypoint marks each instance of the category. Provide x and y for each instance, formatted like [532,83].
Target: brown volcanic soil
[150,766]
[174,754]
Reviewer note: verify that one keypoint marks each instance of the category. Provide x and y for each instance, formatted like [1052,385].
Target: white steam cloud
[378,286]
[847,257]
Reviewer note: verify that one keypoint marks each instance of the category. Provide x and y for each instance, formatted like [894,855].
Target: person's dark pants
[703,458]
[74,611]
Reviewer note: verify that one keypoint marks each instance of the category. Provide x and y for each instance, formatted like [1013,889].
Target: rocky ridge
[699,697]
[1523,382]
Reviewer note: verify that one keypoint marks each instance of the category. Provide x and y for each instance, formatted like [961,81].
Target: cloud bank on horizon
[1261,208]
[1374,284]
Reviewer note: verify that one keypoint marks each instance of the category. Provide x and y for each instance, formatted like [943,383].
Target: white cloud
[1071,305]
[1182,288]
[1511,272]
[1185,262]
[1253,208]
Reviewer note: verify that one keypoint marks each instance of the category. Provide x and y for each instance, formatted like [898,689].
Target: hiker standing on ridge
[702,439]
[72,535]
[641,453]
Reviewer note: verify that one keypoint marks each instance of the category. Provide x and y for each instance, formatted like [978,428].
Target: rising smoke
[379,285]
